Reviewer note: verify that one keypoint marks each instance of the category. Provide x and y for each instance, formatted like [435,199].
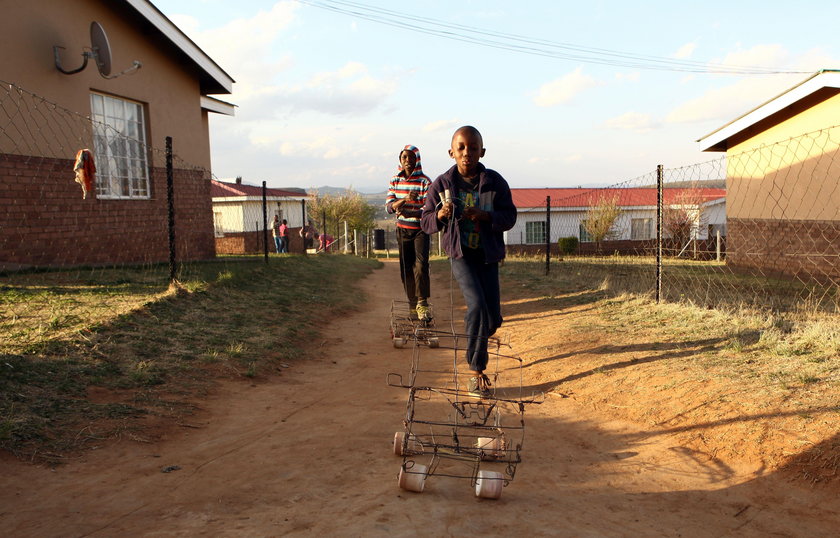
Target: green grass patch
[149,345]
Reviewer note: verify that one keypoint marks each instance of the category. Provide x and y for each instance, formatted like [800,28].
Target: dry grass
[147,349]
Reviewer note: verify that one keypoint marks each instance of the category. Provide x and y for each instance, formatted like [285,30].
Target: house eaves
[216,105]
[214,80]
[719,139]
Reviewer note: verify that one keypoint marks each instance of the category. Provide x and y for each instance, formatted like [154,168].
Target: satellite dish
[100,52]
[101,48]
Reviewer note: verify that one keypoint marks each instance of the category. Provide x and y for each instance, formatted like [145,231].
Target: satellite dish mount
[100,51]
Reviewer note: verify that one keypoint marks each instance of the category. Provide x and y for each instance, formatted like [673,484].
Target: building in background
[238,216]
[58,98]
[635,226]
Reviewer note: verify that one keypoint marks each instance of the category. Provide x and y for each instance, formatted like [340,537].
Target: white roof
[220,82]
[827,78]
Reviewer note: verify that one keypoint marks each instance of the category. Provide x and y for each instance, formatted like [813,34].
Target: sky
[565,93]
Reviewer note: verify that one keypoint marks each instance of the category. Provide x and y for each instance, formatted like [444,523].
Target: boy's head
[467,149]
[409,159]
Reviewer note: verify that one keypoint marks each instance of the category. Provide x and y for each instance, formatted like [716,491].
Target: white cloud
[632,121]
[685,51]
[350,91]
[633,76]
[244,47]
[727,102]
[441,125]
[757,56]
[564,89]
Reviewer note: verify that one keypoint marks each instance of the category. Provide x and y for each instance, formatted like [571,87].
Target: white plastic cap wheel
[489,484]
[413,479]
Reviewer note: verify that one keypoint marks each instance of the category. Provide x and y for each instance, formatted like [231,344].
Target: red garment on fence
[85,171]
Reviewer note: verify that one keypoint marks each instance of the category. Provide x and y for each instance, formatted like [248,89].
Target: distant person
[284,237]
[275,233]
[406,195]
[325,241]
[308,232]
[473,217]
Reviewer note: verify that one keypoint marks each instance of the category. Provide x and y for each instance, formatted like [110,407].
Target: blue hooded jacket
[493,196]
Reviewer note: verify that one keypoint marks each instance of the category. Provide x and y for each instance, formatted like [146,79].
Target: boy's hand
[475,214]
[445,211]
[398,204]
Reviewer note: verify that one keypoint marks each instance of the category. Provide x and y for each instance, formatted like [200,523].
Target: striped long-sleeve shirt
[412,189]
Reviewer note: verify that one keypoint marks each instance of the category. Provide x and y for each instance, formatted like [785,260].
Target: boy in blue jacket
[473,206]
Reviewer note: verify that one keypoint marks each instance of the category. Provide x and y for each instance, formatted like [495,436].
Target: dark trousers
[414,263]
[479,283]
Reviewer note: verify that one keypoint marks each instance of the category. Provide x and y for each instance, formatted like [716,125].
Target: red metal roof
[220,189]
[629,197]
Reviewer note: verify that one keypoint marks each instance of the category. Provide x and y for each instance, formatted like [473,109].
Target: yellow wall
[788,170]
[167,84]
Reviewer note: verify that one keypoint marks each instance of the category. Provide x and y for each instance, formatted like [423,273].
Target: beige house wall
[167,84]
[777,173]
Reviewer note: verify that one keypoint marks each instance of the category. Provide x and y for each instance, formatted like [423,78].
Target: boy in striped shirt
[406,196]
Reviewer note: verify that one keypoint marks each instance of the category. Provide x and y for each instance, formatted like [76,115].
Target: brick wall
[45,221]
[252,243]
[806,249]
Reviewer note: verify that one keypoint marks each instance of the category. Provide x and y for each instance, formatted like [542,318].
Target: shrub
[567,245]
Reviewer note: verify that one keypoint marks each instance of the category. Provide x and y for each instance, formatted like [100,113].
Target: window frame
[119,147]
[648,228]
[530,232]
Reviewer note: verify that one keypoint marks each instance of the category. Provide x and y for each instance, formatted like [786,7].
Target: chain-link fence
[759,228]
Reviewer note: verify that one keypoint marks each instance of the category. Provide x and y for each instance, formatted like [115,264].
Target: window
[535,233]
[583,234]
[217,224]
[640,229]
[119,147]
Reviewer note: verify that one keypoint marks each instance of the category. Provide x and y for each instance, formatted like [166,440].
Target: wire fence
[758,228]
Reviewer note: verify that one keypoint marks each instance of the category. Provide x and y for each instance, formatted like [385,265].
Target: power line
[530,45]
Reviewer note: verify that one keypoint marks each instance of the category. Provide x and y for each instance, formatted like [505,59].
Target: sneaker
[424,313]
[479,386]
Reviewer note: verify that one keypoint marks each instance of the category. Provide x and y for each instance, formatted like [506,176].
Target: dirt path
[309,453]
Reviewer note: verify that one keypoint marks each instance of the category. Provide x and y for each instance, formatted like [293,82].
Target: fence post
[265,223]
[658,232]
[346,238]
[547,234]
[717,245]
[323,230]
[170,201]
[303,222]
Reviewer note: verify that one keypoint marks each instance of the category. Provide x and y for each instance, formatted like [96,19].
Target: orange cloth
[85,171]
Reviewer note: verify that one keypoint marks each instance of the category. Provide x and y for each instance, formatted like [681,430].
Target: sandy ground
[309,453]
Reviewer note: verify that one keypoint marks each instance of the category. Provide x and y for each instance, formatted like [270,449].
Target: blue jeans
[284,245]
[479,283]
[277,244]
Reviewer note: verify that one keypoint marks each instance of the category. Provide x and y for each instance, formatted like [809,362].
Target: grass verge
[126,345]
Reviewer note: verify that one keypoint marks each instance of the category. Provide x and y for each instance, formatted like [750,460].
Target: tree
[682,215]
[349,207]
[600,218]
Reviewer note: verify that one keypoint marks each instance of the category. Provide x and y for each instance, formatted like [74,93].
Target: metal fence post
[346,238]
[547,234]
[303,223]
[659,180]
[170,201]
[265,223]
